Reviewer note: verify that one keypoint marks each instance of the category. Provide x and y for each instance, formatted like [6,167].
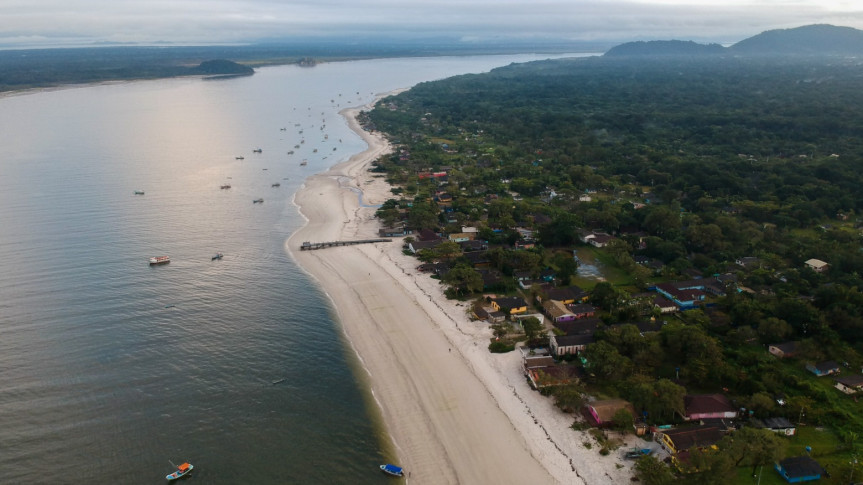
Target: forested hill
[809,40]
[775,144]
[665,48]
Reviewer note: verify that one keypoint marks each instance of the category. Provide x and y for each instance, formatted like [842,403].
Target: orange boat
[182,471]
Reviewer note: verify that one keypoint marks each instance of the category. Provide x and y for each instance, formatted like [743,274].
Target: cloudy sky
[59,22]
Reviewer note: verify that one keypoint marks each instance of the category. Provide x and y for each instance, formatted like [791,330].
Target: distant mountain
[818,39]
[665,48]
[823,40]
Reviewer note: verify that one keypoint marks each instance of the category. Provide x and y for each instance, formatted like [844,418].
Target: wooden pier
[308,246]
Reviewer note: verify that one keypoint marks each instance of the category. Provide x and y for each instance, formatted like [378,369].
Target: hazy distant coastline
[25,69]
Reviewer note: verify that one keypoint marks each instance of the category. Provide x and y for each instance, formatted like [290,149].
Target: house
[569,344]
[664,304]
[568,295]
[849,384]
[496,317]
[685,298]
[680,440]
[778,425]
[817,265]
[601,413]
[537,361]
[553,375]
[581,326]
[461,237]
[708,406]
[799,469]
[473,245]
[784,349]
[417,246]
[557,311]
[479,313]
[597,239]
[478,259]
[428,235]
[823,368]
[512,305]
[522,275]
[582,310]
[395,231]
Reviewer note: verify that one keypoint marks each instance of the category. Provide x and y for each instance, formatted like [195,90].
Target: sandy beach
[455,412]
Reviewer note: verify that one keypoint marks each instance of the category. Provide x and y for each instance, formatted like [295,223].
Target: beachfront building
[679,442]
[511,305]
[602,412]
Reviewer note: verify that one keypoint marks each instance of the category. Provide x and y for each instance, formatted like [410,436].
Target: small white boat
[225,186]
[139,192]
[257,150]
[159,260]
[181,472]
[258,201]
[240,158]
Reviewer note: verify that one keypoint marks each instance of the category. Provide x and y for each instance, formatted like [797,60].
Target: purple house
[557,311]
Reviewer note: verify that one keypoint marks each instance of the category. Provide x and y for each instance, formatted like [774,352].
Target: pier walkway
[321,245]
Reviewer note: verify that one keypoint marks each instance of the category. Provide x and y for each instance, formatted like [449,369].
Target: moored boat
[182,470]
[393,470]
[160,260]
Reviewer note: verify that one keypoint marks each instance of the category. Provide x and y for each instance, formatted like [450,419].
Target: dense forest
[697,164]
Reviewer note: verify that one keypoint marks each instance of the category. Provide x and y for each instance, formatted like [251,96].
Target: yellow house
[680,441]
[510,305]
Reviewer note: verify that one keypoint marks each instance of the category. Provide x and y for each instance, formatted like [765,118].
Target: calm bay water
[109,367]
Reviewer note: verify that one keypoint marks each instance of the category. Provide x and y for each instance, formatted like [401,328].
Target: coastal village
[636,346]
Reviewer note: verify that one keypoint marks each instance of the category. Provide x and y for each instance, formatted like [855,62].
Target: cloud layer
[229,21]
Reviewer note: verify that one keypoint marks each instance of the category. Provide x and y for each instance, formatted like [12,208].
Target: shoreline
[454,412]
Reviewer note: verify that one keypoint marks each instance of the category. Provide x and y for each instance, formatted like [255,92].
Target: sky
[79,22]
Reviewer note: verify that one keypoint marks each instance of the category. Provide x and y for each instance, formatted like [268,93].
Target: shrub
[498,347]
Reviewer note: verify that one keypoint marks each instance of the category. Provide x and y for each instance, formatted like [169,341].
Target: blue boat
[393,470]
